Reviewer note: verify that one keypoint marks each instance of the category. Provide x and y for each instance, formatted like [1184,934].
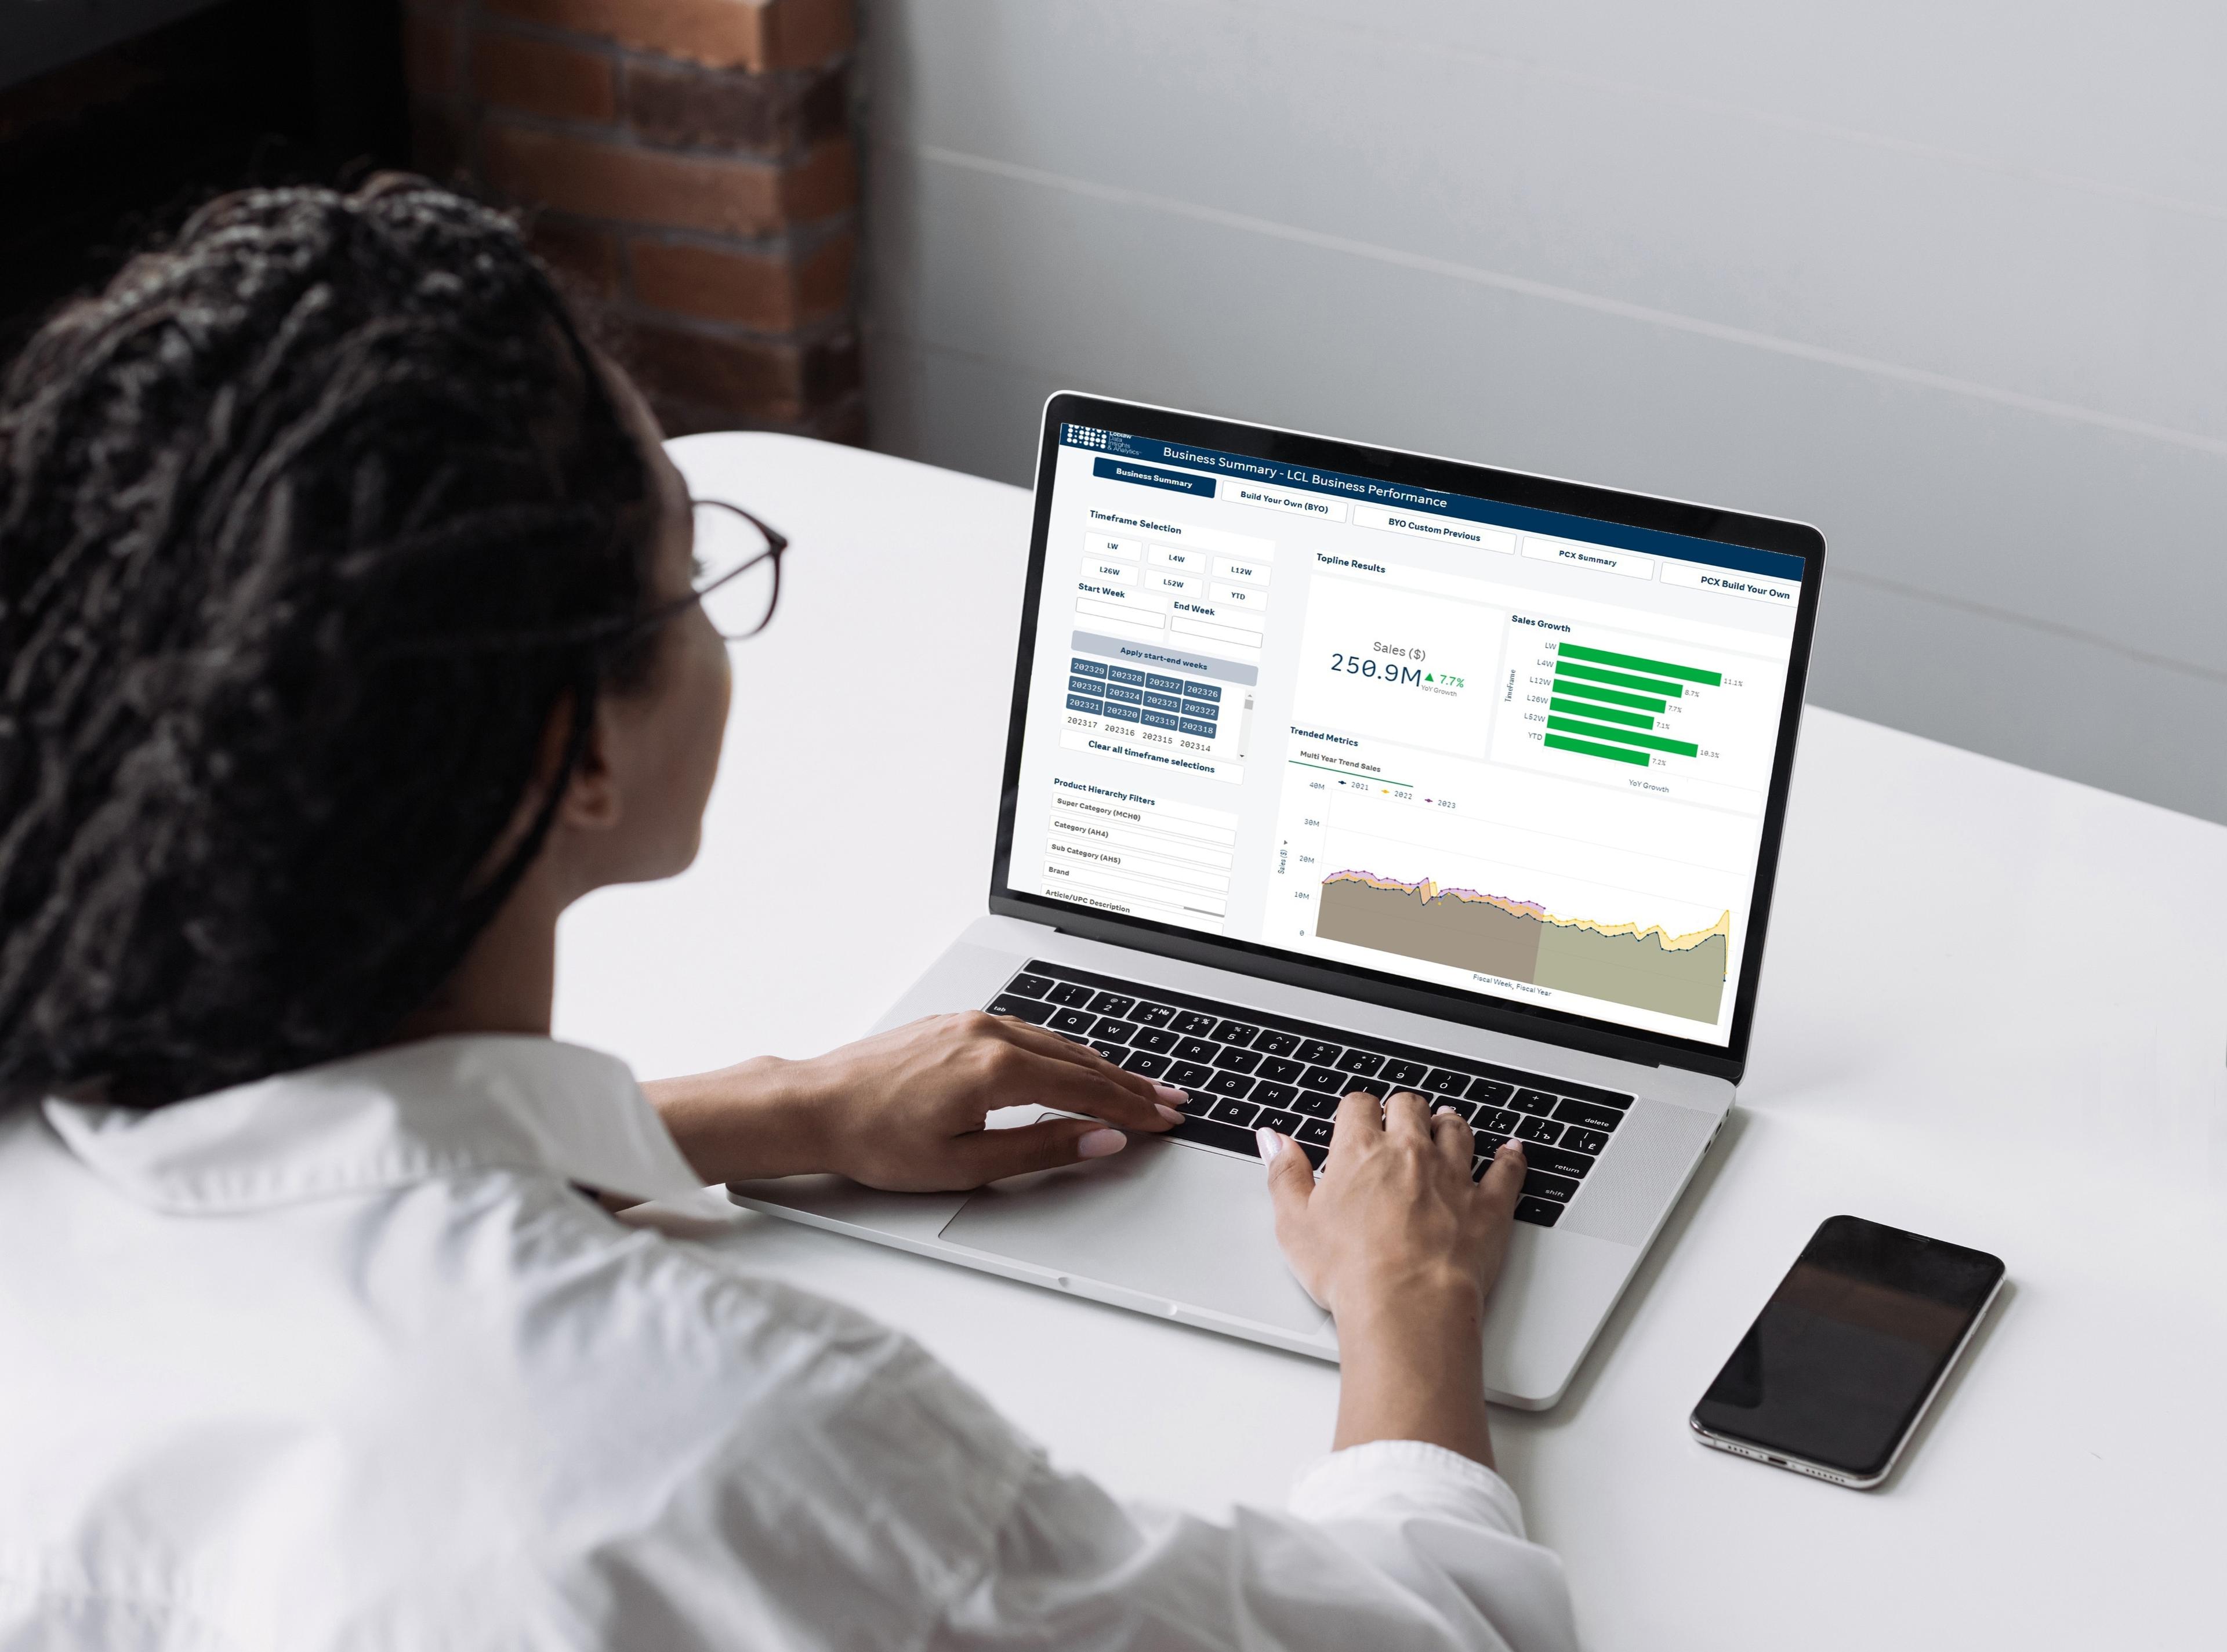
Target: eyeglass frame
[776,542]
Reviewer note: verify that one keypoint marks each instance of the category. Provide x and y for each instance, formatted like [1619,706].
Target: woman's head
[323,541]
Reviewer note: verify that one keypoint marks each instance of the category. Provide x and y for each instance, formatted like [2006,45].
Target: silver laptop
[1332,766]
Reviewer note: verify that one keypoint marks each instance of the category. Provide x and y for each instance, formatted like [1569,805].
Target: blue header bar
[1117,446]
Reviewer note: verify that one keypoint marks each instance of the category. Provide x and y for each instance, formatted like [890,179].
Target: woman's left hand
[906,1109]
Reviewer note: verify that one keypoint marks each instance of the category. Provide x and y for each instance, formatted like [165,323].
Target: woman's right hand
[1402,1248]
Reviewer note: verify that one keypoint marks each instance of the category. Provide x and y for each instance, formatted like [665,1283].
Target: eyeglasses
[737,580]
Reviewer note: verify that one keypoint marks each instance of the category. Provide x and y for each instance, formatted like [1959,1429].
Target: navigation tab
[1576,554]
[1144,476]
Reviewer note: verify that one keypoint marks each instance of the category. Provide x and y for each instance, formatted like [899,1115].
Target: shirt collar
[407,1113]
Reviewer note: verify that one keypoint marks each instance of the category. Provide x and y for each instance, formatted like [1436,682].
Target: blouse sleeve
[1391,1545]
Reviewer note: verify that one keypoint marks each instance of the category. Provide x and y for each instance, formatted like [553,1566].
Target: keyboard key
[1537,1184]
[1444,1081]
[1075,1021]
[1404,1075]
[1111,1004]
[1361,1062]
[1366,1087]
[1024,1009]
[1071,992]
[1152,1015]
[1321,1078]
[1486,1147]
[1144,1064]
[1540,1129]
[1492,1091]
[1275,1095]
[1230,1138]
[1313,1103]
[1114,1031]
[1030,987]
[1197,1050]
[1316,1157]
[1559,1161]
[1236,1032]
[1499,1121]
[1235,1112]
[1281,1070]
[1543,1212]
[1314,1131]
[1158,1040]
[1316,1053]
[1533,1101]
[1236,1060]
[1273,1043]
[1191,1022]
[1110,1050]
[1284,1123]
[1198,1103]
[1591,1114]
[1584,1141]
[1230,1084]
[1189,1075]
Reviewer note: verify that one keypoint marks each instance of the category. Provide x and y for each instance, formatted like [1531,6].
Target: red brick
[614,180]
[776,381]
[589,256]
[773,293]
[429,55]
[676,104]
[543,76]
[725,34]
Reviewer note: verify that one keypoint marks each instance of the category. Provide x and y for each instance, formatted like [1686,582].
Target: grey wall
[36,36]
[1949,280]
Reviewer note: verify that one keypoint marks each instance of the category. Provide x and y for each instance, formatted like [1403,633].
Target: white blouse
[345,1359]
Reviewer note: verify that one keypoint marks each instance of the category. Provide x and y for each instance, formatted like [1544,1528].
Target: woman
[351,629]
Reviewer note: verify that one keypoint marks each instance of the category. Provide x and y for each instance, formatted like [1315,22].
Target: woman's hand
[1402,1247]
[905,1109]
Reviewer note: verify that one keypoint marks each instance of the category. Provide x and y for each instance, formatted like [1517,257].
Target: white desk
[1995,1010]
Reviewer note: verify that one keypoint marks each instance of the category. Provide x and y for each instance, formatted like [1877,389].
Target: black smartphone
[1849,1351]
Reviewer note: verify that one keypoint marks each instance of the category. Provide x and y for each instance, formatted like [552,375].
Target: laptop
[1335,767]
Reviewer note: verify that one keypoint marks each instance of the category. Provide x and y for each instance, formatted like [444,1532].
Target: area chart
[1518,940]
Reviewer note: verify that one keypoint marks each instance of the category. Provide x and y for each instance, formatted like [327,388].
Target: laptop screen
[1515,754]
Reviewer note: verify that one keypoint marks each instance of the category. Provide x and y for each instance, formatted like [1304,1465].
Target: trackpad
[1171,1221]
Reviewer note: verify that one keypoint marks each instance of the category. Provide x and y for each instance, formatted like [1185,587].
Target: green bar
[1603,657]
[1619,679]
[1587,692]
[1578,708]
[1627,736]
[1591,751]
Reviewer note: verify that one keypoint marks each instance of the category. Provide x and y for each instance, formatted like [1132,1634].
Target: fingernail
[1099,1143]
[1270,1143]
[1511,1146]
[1443,1111]
[1170,1093]
[1170,1114]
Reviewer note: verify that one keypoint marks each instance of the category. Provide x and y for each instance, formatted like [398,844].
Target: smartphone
[1849,1351]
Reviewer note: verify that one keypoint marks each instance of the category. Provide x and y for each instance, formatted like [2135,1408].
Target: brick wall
[689,162]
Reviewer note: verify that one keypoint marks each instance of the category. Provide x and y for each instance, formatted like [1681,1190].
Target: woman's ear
[592,801]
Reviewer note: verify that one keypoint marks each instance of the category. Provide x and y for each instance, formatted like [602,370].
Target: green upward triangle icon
[1426,677]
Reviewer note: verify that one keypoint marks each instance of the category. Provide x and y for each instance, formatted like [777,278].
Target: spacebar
[1211,1132]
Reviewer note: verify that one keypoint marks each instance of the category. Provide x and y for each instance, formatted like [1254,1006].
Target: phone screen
[1843,1357]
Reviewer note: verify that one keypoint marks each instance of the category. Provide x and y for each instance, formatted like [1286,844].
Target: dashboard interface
[1519,754]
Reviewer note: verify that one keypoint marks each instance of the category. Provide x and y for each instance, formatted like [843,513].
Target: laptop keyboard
[1242,1069]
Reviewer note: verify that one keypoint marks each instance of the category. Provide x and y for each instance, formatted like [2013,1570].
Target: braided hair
[308,524]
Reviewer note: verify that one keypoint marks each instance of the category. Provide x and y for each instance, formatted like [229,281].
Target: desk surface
[1994,1011]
